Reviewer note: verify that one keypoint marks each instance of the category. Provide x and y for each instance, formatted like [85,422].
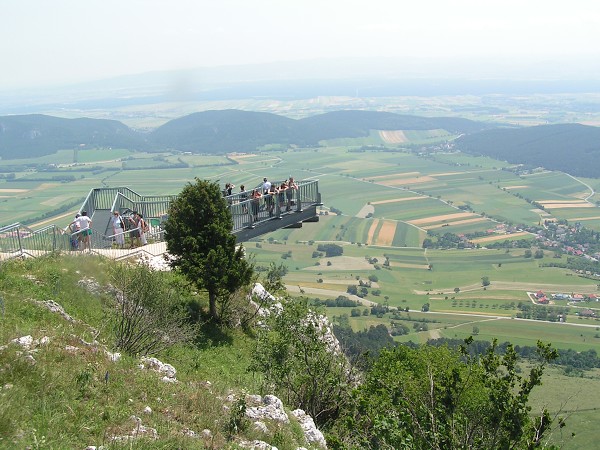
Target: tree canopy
[438,398]
[199,239]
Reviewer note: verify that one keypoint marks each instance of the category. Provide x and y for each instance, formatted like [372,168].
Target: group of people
[282,195]
[81,230]
[138,228]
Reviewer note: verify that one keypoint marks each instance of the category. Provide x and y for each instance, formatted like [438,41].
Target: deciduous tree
[437,398]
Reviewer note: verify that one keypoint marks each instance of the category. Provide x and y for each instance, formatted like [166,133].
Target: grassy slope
[64,400]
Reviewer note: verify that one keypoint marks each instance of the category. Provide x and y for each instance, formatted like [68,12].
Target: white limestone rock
[155,364]
[54,307]
[311,432]
[270,407]
[24,341]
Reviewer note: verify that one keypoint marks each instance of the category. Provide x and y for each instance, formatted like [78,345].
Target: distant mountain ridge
[35,135]
[217,132]
[572,148]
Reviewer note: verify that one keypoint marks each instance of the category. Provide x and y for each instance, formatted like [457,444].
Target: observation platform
[251,218]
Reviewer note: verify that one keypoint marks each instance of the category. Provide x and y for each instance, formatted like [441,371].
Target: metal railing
[249,212]
[17,240]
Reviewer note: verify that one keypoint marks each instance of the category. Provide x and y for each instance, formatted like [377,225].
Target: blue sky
[44,42]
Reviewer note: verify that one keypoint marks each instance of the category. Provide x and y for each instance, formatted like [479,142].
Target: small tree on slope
[198,236]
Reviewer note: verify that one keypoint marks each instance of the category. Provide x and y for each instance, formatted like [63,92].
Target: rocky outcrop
[156,365]
[312,434]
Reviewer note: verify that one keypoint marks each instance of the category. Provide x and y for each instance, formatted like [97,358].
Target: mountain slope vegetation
[571,148]
[36,135]
[213,132]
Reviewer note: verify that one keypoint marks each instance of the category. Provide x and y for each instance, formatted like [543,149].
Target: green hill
[570,148]
[36,135]
[214,132]
[358,123]
[232,130]
[225,131]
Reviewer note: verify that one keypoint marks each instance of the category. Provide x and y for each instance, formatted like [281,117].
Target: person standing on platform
[118,226]
[292,188]
[266,187]
[85,225]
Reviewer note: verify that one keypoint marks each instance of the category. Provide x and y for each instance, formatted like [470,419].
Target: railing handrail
[18,240]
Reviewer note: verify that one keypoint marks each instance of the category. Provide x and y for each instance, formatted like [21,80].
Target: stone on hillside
[267,303]
[160,262]
[147,410]
[90,285]
[114,357]
[311,432]
[139,431]
[261,426]
[256,445]
[24,341]
[270,407]
[56,308]
[190,433]
[158,366]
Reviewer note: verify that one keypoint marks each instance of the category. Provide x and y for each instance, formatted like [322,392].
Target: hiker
[243,197]
[266,187]
[144,228]
[270,200]
[282,193]
[74,235]
[255,203]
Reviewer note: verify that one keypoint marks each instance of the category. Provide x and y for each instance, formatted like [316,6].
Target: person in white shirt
[84,224]
[266,186]
[118,229]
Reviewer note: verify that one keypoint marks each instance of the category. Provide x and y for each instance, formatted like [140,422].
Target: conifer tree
[199,239]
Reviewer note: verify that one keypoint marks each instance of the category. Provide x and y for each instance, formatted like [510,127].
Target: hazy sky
[60,41]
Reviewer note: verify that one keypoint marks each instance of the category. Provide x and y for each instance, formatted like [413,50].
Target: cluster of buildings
[560,238]
[541,298]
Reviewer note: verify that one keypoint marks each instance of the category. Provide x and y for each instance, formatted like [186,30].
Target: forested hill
[226,131]
[570,148]
[358,123]
[206,132]
[36,135]
[233,130]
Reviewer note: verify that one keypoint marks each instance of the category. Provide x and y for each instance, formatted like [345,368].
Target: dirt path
[52,220]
